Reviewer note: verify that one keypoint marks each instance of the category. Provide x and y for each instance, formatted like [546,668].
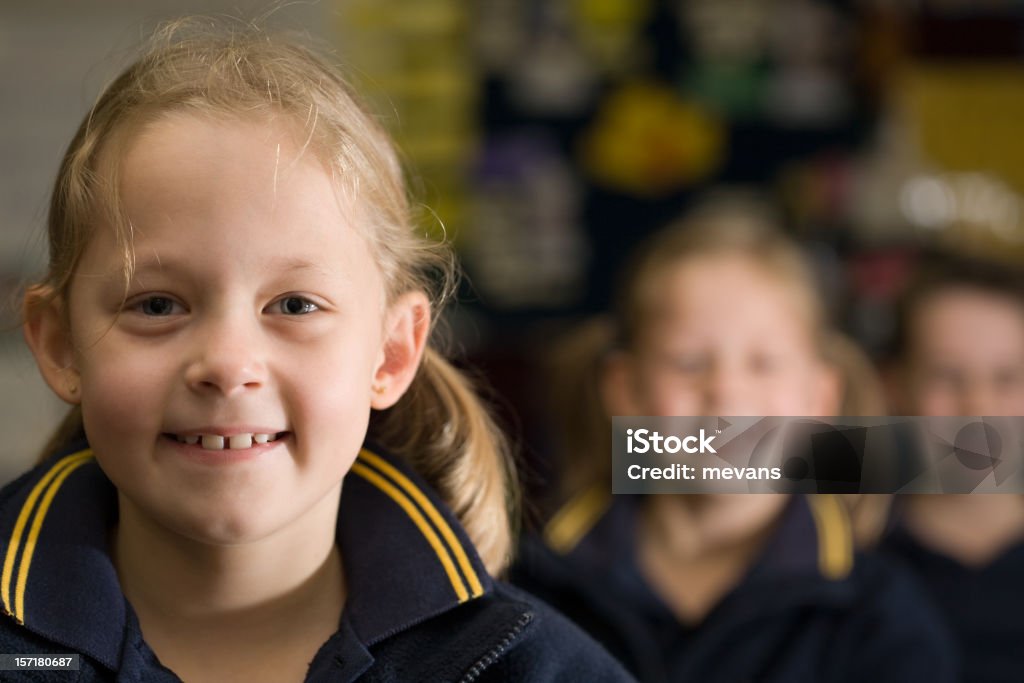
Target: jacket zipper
[495,653]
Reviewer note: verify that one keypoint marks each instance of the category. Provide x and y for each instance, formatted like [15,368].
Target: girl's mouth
[218,442]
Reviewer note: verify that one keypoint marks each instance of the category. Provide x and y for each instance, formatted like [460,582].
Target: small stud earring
[378,388]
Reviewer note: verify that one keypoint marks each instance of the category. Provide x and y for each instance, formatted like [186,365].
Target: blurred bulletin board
[966,120]
[969,115]
[553,135]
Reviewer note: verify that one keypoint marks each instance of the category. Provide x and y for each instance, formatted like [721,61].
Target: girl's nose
[228,358]
[723,393]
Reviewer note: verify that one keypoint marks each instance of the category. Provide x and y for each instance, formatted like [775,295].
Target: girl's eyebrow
[292,263]
[173,266]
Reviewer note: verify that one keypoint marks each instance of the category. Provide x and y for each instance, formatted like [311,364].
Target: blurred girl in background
[719,316]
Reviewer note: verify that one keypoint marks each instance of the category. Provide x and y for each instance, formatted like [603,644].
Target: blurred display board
[554,135]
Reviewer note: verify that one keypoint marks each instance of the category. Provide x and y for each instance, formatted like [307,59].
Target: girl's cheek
[675,398]
[937,402]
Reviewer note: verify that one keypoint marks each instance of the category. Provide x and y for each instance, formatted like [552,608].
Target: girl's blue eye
[296,305]
[158,306]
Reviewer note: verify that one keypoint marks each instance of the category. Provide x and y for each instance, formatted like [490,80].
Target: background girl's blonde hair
[204,67]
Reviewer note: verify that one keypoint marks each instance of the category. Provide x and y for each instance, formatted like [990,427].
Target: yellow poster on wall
[967,121]
[969,117]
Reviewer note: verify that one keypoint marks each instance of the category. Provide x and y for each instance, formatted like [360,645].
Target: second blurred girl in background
[960,351]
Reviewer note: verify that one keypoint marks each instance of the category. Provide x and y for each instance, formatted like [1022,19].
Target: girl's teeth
[215,442]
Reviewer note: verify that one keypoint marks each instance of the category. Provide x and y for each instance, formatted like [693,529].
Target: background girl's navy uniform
[420,605]
[804,612]
[982,606]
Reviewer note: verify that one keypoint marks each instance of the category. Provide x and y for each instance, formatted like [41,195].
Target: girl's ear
[618,385]
[405,338]
[50,341]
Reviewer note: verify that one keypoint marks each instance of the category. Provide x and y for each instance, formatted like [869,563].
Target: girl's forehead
[191,182]
[726,280]
[252,143]
[156,155]
[186,160]
[732,294]
[961,301]
[970,318]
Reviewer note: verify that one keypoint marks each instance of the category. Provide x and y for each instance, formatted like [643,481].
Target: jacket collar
[406,558]
[812,539]
[58,577]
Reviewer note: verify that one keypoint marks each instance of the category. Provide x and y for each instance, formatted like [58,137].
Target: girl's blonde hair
[200,66]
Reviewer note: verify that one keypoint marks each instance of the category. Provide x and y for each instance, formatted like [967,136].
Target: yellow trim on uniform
[835,537]
[57,474]
[414,514]
[412,490]
[577,517]
[33,537]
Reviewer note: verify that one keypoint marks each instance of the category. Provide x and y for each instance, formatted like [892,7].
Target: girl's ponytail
[443,429]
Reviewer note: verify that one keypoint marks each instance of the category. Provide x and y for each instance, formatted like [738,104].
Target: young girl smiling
[236,301]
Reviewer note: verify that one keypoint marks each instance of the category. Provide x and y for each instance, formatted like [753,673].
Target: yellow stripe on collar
[835,537]
[46,487]
[577,517]
[475,586]
[403,491]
